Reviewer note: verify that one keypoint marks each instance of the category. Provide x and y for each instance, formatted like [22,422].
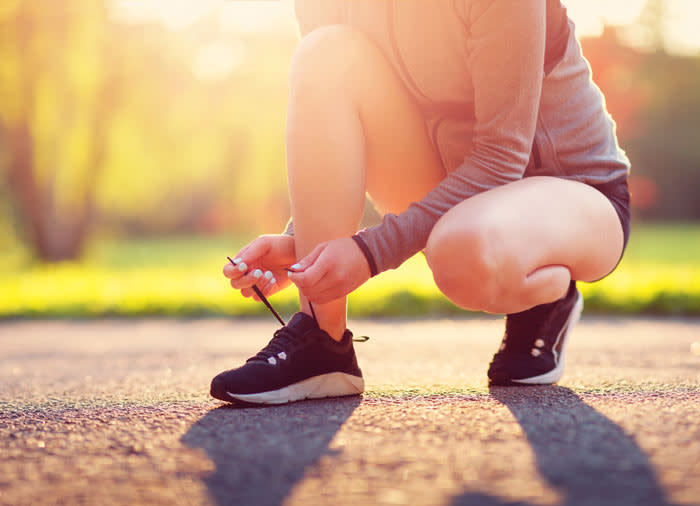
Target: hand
[264,260]
[333,269]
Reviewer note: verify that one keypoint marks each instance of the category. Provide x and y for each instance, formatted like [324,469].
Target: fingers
[244,280]
[246,257]
[235,269]
[319,281]
[320,275]
[322,295]
[260,264]
[332,270]
[254,251]
[310,269]
[267,284]
[253,277]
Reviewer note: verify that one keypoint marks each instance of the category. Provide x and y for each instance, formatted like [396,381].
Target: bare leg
[351,128]
[520,244]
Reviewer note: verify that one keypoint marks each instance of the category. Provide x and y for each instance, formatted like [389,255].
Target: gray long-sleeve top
[497,81]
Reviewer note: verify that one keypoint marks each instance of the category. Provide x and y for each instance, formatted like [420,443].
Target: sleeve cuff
[368,255]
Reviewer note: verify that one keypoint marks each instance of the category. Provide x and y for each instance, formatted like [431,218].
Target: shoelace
[258,292]
[283,341]
[267,302]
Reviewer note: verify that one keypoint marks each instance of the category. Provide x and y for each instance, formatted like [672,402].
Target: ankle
[330,317]
[335,333]
[334,329]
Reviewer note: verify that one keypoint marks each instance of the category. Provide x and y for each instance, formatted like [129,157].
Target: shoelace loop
[357,339]
[267,303]
[283,340]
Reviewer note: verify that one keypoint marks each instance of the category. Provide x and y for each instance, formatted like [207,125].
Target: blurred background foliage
[125,125]
[131,128]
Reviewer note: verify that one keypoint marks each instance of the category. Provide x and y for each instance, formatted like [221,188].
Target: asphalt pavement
[118,412]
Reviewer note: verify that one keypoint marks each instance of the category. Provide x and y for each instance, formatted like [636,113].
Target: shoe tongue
[301,322]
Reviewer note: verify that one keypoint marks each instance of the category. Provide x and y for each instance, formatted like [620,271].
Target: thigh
[542,221]
[401,163]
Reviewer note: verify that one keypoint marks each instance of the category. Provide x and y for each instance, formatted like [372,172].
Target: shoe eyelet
[539,343]
[535,352]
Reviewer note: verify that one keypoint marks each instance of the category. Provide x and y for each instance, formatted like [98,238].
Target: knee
[326,60]
[468,263]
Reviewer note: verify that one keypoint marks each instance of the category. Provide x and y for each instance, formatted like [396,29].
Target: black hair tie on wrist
[368,255]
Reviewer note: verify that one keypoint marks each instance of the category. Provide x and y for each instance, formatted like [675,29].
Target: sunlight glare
[175,14]
[233,15]
[273,15]
[591,15]
[217,60]
[683,34]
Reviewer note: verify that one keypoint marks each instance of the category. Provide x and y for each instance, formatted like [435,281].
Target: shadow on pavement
[260,453]
[584,456]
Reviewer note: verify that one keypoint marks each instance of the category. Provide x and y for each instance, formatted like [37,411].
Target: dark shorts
[618,194]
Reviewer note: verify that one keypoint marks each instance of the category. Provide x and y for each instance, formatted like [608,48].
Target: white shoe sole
[334,384]
[555,374]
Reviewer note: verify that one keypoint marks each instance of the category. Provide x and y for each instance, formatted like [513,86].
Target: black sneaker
[532,350]
[300,362]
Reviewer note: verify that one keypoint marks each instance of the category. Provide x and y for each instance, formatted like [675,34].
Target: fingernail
[242,267]
[268,275]
[237,260]
[257,273]
[295,266]
[273,281]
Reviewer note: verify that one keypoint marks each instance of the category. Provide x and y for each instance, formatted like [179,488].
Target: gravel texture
[118,412]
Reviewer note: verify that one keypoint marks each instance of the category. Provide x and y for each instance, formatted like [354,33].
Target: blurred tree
[653,97]
[59,89]
[668,150]
[616,71]
[136,128]
[195,151]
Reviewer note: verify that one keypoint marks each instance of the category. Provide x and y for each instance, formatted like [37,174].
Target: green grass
[182,277]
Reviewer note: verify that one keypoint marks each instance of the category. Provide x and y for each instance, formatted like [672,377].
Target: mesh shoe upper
[533,341]
[298,351]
